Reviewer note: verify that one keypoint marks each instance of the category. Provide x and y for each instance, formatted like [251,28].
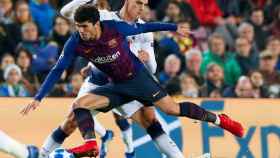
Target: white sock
[218,121]
[99,129]
[12,147]
[128,140]
[49,145]
[168,147]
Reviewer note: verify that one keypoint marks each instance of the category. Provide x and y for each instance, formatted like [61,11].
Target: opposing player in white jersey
[142,46]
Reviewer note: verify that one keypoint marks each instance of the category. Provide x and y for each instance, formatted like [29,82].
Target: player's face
[136,7]
[87,30]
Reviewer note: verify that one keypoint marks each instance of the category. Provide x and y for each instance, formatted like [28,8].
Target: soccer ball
[61,153]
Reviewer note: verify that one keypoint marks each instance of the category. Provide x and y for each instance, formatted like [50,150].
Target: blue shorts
[143,88]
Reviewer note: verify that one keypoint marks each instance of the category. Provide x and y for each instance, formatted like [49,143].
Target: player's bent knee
[149,114]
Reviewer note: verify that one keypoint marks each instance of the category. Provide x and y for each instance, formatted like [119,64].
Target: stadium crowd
[232,51]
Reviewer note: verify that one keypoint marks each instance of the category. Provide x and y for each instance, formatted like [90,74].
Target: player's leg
[147,118]
[103,98]
[85,122]
[126,132]
[12,147]
[193,111]
[58,136]
[99,129]
[105,138]
[148,90]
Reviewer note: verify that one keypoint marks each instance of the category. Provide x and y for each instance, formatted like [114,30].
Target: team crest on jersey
[87,50]
[113,43]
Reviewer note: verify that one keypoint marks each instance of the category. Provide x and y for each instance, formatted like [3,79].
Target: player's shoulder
[108,15]
[73,40]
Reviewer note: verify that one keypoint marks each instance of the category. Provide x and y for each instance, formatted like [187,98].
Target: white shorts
[126,110]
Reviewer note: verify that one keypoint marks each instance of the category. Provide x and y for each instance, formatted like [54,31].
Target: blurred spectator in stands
[270,10]
[147,14]
[229,8]
[218,54]
[229,31]
[273,45]
[61,32]
[72,89]
[246,30]
[260,90]
[259,3]
[214,80]
[193,64]
[243,89]
[116,5]
[175,9]
[245,8]
[7,43]
[22,16]
[216,94]
[6,11]
[43,15]
[176,44]
[271,76]
[44,54]
[208,12]
[30,38]
[274,28]
[245,56]
[189,86]
[231,14]
[103,5]
[173,12]
[29,79]
[172,66]
[6,59]
[257,21]
[12,86]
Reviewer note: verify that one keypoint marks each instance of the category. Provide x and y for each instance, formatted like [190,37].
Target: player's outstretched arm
[137,28]
[69,9]
[63,62]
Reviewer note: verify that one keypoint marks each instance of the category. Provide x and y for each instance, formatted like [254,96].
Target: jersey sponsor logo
[113,43]
[107,59]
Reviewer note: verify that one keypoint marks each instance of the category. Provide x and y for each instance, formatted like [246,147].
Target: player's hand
[143,56]
[184,29]
[31,106]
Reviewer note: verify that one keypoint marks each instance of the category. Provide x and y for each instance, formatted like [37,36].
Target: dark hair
[88,13]
[22,49]
[272,38]
[256,9]
[173,86]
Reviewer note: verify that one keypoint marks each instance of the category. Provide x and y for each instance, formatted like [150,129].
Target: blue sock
[33,151]
[59,135]
[155,130]
[123,124]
